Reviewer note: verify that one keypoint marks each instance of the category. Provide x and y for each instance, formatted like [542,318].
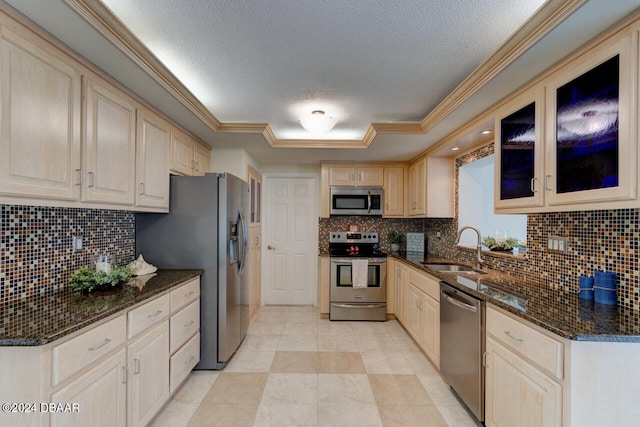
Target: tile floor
[295,369]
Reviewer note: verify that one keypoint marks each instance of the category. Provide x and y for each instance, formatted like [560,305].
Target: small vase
[395,247]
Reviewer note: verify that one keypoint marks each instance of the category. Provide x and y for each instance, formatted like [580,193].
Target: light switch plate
[558,244]
[77,244]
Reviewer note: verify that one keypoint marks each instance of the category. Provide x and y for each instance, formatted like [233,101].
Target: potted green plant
[505,245]
[396,239]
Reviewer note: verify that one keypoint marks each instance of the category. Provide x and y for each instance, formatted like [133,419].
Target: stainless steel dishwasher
[462,344]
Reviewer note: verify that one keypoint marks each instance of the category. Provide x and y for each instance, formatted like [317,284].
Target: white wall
[475,204]
[232,160]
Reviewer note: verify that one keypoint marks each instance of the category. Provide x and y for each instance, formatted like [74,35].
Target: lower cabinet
[148,362]
[524,370]
[100,396]
[417,298]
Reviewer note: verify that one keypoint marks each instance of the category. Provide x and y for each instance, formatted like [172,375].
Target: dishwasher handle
[453,300]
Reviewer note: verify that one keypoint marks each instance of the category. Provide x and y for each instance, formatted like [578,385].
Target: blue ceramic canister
[586,288]
[604,287]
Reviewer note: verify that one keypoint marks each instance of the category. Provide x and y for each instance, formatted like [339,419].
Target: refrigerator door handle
[243,241]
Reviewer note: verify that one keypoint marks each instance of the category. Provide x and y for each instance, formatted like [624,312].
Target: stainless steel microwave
[356,201]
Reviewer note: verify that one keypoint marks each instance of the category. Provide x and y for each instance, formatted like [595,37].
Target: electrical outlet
[438,234]
[77,244]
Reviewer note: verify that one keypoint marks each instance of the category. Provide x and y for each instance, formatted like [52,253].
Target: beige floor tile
[300,328]
[337,343]
[236,388]
[411,416]
[340,363]
[298,343]
[303,314]
[224,414]
[299,362]
[175,414]
[419,363]
[398,390]
[260,343]
[344,388]
[196,386]
[348,415]
[381,362]
[291,389]
[327,327]
[438,390]
[286,414]
[251,361]
[457,416]
[266,328]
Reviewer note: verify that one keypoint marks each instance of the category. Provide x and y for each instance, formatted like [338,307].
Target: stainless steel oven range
[358,277]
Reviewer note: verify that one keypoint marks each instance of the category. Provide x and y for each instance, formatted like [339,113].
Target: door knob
[271,248]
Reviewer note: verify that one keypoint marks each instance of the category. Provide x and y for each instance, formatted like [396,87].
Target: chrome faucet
[479,261]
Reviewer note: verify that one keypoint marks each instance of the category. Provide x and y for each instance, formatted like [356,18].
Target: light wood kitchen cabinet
[101,396]
[152,161]
[184,336]
[524,370]
[394,189]
[324,284]
[423,313]
[431,187]
[401,277]
[109,144]
[40,120]
[358,176]
[188,156]
[148,362]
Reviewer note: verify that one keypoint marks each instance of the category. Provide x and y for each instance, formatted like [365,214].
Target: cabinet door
[342,176]
[40,121]
[109,145]
[182,153]
[430,328]
[100,395]
[517,393]
[417,184]
[152,157]
[370,176]
[412,313]
[401,273]
[201,160]
[591,154]
[148,362]
[518,152]
[393,191]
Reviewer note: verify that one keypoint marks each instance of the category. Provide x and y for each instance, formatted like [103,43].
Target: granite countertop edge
[163,281]
[607,327]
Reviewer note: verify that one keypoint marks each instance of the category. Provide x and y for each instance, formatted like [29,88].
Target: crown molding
[550,15]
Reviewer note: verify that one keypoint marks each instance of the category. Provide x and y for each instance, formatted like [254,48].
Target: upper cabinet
[109,144]
[152,157]
[394,189]
[431,187]
[570,141]
[518,152]
[360,176]
[40,120]
[188,156]
[591,105]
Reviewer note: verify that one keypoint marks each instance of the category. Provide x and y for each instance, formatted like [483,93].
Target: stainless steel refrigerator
[206,229]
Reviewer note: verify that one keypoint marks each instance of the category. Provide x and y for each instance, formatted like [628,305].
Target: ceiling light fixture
[455,148]
[486,132]
[317,122]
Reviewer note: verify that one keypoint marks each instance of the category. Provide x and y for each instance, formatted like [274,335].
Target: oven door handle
[348,260]
[358,305]
[459,304]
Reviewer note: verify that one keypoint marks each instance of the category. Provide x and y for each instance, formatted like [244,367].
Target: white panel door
[292,241]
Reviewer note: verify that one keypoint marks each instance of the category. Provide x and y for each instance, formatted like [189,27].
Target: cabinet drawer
[79,352]
[425,283]
[534,346]
[185,294]
[148,314]
[183,362]
[184,324]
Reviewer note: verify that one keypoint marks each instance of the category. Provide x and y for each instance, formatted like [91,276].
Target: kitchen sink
[452,268]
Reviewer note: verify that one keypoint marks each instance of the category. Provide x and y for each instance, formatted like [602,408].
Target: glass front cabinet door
[589,154]
[518,152]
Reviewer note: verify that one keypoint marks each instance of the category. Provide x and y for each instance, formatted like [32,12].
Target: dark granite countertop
[42,319]
[550,307]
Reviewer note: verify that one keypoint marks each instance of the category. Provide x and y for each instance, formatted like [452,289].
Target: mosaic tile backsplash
[36,253]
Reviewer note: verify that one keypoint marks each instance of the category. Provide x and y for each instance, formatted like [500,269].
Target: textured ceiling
[362,61]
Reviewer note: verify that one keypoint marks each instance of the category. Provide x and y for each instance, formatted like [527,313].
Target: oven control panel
[350,237]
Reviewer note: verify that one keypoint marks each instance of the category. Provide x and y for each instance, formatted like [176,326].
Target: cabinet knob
[271,248]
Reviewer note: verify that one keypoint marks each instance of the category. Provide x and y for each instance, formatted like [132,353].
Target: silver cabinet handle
[188,324]
[154,315]
[92,178]
[189,361]
[136,363]
[142,188]
[187,296]
[125,374]
[546,182]
[79,176]
[99,346]
[271,248]
[533,187]
[508,333]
